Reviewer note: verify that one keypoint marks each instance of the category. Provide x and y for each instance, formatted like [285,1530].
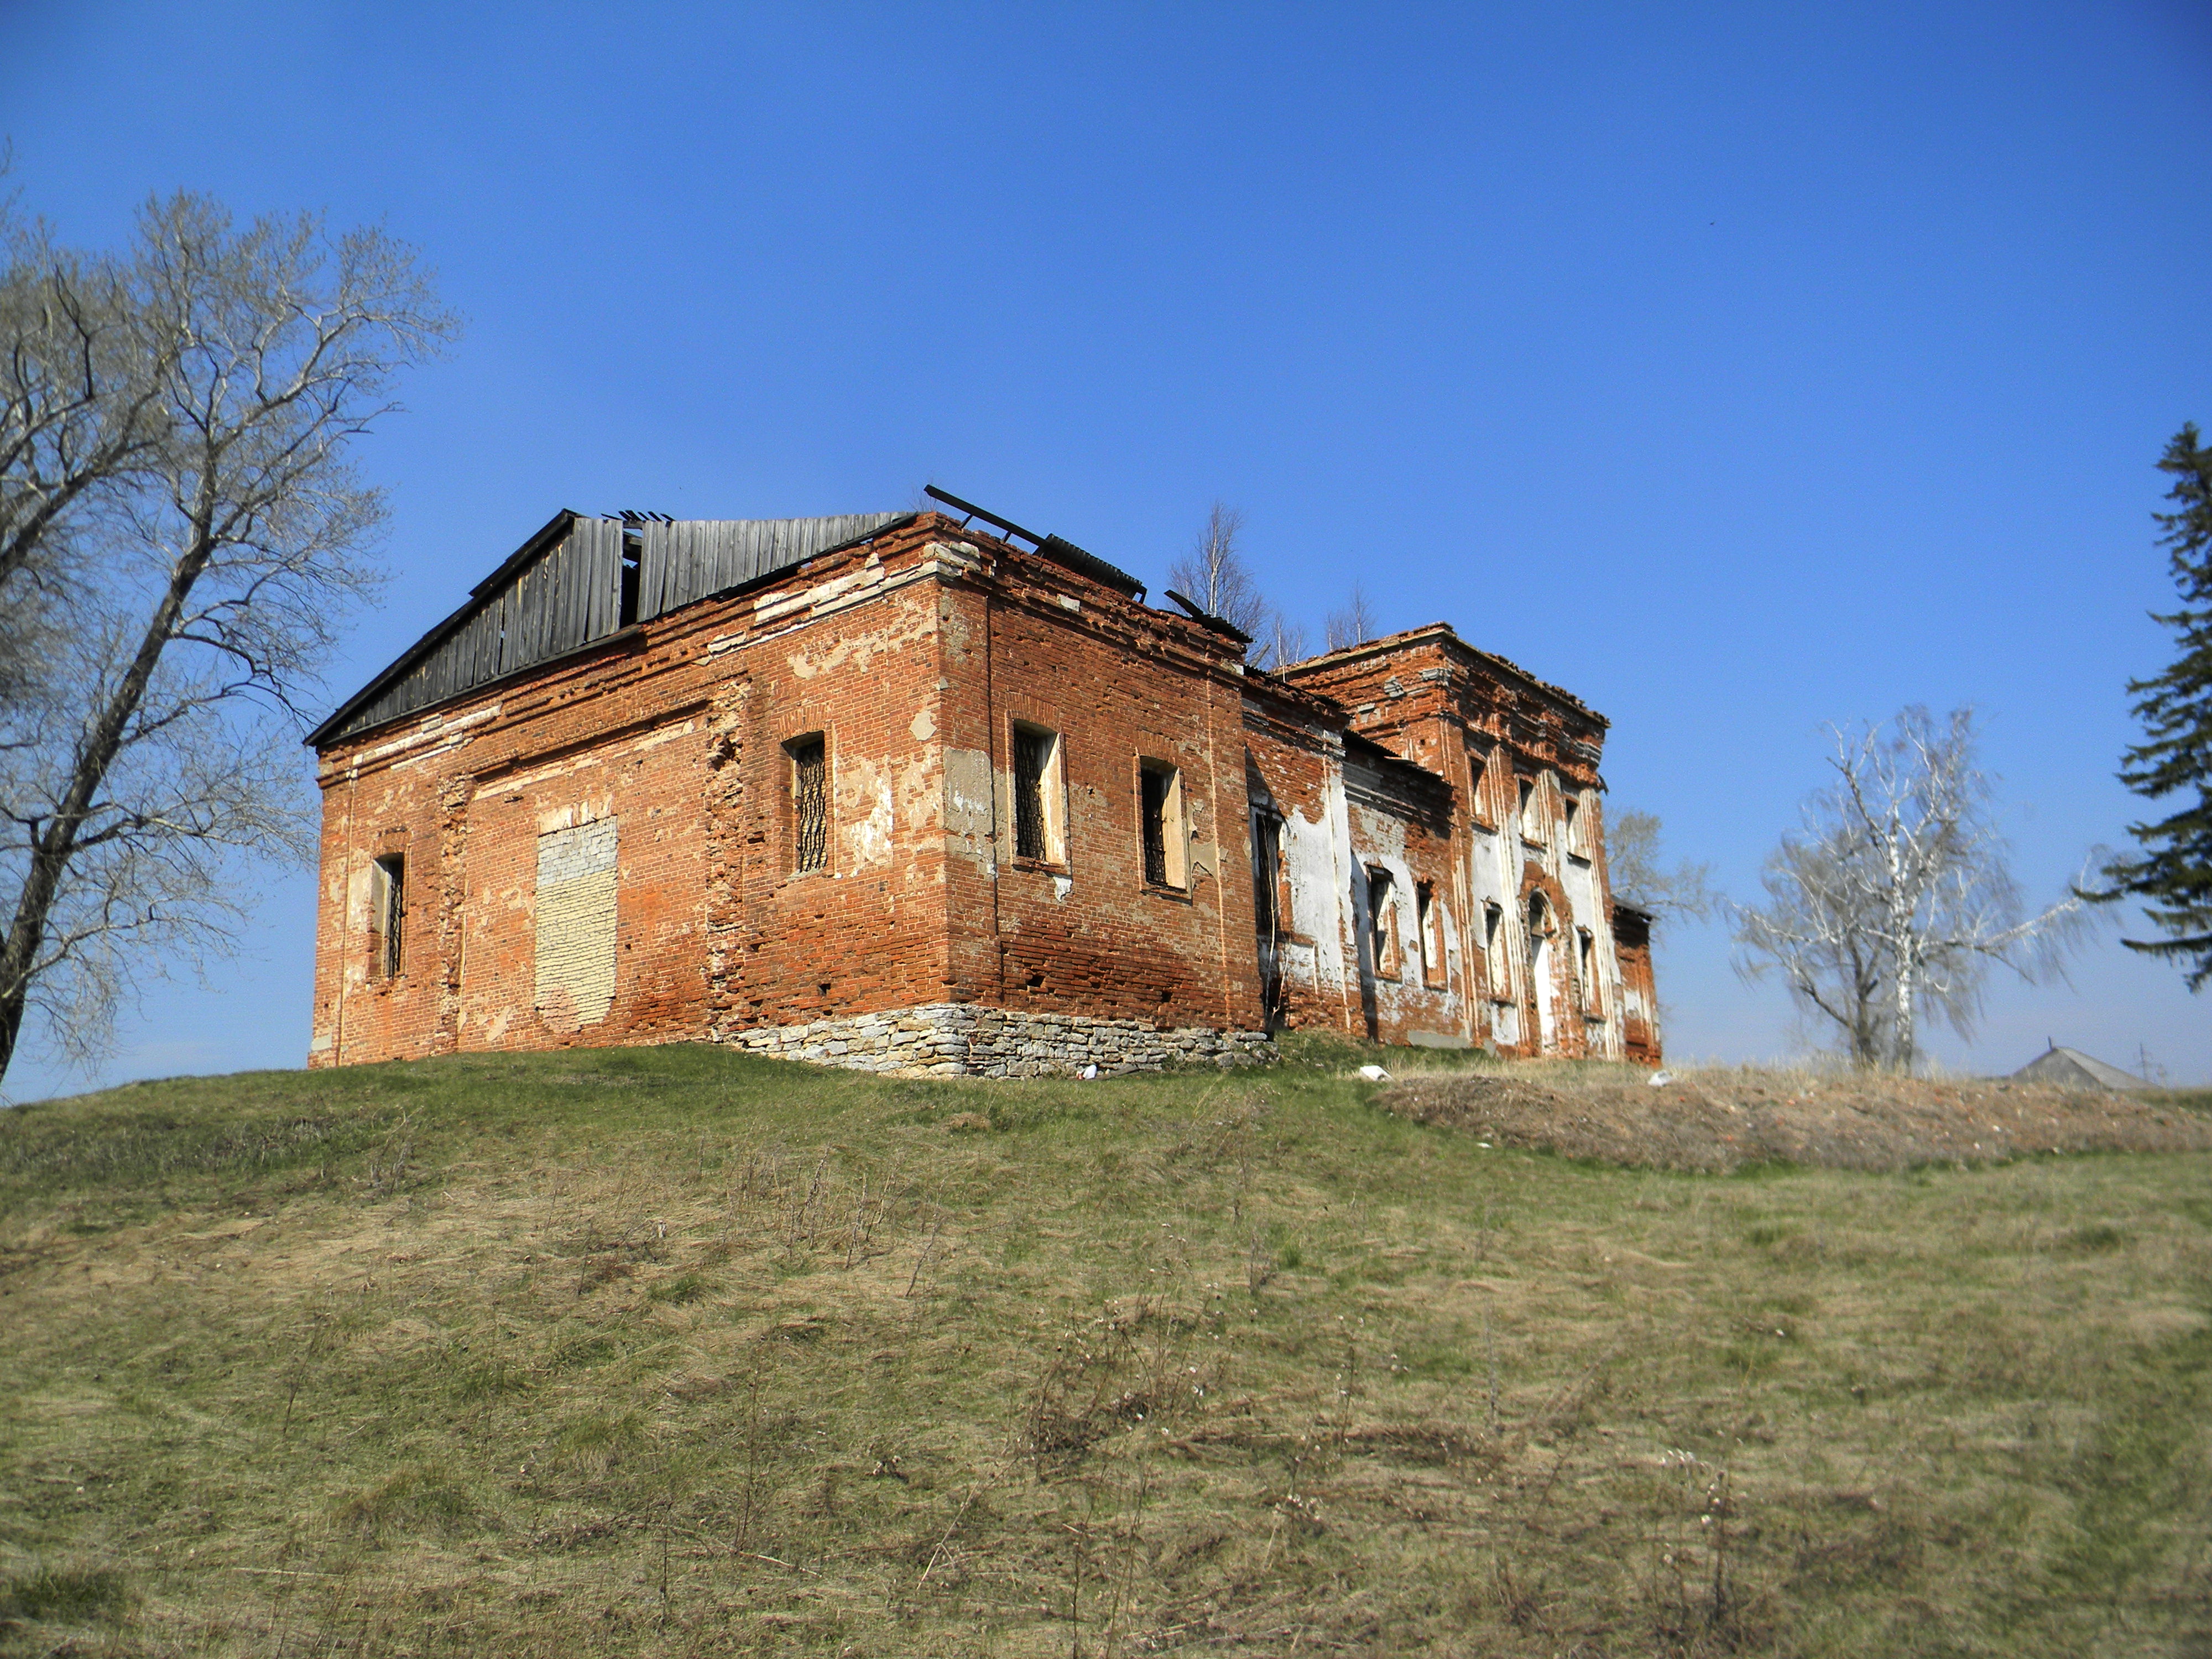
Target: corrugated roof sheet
[560,590]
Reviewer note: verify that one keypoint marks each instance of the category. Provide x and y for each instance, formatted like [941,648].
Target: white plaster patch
[430,731]
[589,811]
[924,727]
[968,821]
[871,835]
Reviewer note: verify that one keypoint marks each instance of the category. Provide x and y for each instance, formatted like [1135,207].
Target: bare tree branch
[1638,876]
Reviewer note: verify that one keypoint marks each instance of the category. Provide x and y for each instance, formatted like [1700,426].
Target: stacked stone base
[964,1039]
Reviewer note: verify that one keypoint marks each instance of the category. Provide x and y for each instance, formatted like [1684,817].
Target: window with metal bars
[809,803]
[1155,784]
[390,903]
[1033,777]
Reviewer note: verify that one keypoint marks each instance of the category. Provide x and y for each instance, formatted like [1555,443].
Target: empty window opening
[633,578]
[1493,918]
[1040,798]
[1572,809]
[1160,809]
[388,916]
[1530,821]
[1431,919]
[1270,908]
[1586,967]
[1382,923]
[809,803]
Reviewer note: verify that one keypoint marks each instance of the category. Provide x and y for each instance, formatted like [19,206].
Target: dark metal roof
[561,591]
[1060,552]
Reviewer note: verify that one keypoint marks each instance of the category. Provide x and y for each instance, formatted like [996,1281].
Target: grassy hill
[675,1351]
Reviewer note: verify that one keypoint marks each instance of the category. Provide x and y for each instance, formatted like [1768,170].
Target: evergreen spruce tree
[2172,874]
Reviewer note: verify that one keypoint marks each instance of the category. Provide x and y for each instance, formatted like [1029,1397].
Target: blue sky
[1744,369]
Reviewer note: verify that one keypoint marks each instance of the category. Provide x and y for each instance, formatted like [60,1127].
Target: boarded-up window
[1431,916]
[576,924]
[388,916]
[1382,923]
[1167,841]
[810,804]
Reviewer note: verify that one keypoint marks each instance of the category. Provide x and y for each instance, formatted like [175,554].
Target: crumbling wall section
[1522,757]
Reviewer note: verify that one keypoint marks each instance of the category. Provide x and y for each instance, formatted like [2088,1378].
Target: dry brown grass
[1715,1120]
[678,1352]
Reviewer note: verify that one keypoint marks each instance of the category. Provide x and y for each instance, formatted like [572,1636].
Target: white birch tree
[1897,899]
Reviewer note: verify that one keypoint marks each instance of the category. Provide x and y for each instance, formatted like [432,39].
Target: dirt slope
[1719,1120]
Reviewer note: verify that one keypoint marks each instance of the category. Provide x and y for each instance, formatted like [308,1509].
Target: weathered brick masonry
[893,792]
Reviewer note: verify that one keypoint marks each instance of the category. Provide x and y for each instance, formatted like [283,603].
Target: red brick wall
[913,660]
[910,663]
[1088,934]
[676,729]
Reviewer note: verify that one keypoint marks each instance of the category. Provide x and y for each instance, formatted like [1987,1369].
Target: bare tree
[1353,625]
[1897,896]
[1282,642]
[187,531]
[1635,869]
[1214,576]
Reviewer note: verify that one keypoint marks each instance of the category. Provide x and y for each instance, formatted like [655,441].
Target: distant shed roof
[2070,1068]
[561,590]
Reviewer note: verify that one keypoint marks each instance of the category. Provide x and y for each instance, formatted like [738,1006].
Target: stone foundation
[965,1040]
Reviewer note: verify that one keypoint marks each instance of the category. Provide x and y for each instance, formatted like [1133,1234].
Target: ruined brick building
[923,790]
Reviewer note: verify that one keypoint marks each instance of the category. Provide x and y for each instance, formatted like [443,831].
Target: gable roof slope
[561,590]
[2071,1068]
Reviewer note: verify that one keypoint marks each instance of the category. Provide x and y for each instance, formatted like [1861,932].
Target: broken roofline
[1445,634]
